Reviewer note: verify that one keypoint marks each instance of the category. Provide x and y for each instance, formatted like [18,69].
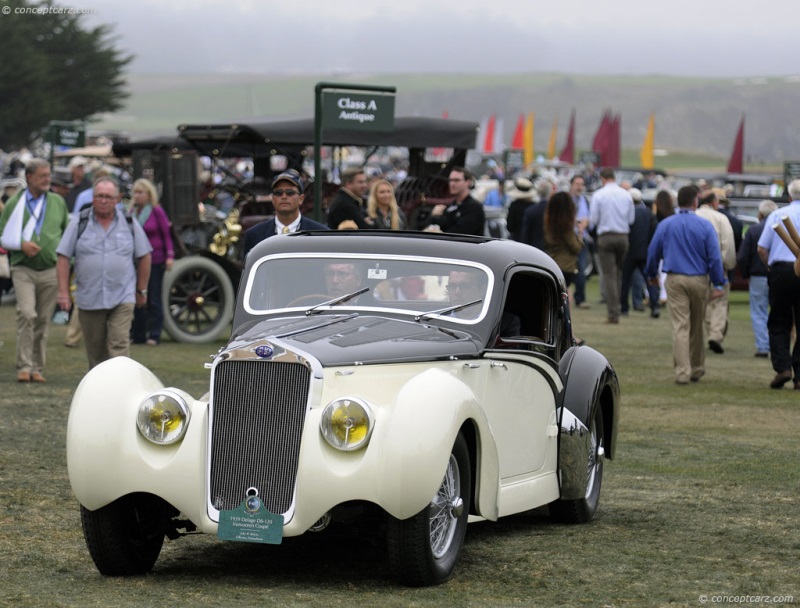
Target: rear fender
[589,382]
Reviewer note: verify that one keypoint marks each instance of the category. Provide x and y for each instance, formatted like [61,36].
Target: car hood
[348,339]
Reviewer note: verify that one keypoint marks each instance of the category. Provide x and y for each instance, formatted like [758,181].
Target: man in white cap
[77,167]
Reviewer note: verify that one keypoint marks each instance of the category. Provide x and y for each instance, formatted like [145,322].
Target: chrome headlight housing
[163,417]
[347,423]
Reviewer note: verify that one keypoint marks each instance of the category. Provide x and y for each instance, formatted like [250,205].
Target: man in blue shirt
[577,188]
[784,292]
[112,268]
[689,247]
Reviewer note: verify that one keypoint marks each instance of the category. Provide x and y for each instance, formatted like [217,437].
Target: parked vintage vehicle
[412,379]
[200,290]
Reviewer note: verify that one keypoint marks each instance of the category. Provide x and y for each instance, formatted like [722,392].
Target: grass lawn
[702,500]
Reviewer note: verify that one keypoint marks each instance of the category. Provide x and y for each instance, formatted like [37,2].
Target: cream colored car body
[418,407]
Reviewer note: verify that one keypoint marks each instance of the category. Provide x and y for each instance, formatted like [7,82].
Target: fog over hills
[698,115]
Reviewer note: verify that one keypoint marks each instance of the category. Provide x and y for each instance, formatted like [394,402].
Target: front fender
[108,458]
[429,411]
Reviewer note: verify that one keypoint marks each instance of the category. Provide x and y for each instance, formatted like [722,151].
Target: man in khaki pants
[31,226]
[688,245]
[716,317]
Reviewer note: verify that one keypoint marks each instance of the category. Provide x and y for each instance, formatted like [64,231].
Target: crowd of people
[681,251]
[82,250]
[72,243]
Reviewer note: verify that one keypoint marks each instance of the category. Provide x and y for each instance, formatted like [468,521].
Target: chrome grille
[258,414]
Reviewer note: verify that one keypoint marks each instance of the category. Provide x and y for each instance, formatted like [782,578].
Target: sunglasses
[285,192]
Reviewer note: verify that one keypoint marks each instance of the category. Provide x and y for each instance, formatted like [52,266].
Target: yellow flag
[647,160]
[528,154]
[551,147]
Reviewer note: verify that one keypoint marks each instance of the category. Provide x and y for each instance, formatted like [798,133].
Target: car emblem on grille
[252,504]
[264,351]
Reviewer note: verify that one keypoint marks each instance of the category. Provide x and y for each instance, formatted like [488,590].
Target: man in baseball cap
[287,196]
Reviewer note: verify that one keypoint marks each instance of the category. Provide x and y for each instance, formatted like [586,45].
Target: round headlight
[163,417]
[346,424]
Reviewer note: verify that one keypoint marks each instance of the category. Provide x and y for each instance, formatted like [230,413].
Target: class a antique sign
[371,111]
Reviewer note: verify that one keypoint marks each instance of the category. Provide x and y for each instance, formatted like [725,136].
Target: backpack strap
[83,220]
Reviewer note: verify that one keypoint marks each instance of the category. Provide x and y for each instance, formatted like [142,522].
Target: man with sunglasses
[287,196]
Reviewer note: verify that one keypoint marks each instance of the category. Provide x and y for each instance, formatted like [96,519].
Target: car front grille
[258,413]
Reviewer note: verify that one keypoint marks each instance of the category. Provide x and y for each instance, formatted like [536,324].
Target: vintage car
[414,379]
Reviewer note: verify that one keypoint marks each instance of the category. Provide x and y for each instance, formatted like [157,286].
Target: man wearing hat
[59,185]
[287,196]
[77,167]
[716,320]
[521,195]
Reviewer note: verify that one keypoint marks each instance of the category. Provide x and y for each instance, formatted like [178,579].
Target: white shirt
[612,209]
[292,227]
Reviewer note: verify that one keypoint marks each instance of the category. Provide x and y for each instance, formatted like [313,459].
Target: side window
[529,299]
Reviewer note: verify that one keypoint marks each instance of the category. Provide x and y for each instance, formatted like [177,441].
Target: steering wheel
[310,298]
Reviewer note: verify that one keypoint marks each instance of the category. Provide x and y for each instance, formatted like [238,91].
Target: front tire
[125,537]
[424,549]
[584,509]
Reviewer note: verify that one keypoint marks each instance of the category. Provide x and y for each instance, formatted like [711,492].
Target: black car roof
[408,132]
[495,253]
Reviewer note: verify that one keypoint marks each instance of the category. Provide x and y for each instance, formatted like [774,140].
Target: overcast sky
[717,38]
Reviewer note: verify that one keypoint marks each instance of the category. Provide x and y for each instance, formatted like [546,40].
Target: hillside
[697,115]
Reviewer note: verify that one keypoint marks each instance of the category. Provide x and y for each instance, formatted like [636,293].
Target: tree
[53,69]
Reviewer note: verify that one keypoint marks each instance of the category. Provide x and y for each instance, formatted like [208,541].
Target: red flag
[614,145]
[444,114]
[488,138]
[518,143]
[736,162]
[599,143]
[568,153]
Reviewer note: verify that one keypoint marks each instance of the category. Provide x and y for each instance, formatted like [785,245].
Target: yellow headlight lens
[163,417]
[346,424]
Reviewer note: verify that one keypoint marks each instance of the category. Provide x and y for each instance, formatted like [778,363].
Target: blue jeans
[149,320]
[580,277]
[759,311]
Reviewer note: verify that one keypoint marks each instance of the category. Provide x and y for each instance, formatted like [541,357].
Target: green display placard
[251,522]
[357,111]
[67,135]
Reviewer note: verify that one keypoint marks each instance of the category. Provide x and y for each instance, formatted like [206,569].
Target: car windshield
[412,286]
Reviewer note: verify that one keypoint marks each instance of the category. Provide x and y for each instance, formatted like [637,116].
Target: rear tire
[125,537]
[584,509]
[424,549]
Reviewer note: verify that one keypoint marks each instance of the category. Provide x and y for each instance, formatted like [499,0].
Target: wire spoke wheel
[424,549]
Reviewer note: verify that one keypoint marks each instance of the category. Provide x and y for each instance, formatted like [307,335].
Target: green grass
[702,499]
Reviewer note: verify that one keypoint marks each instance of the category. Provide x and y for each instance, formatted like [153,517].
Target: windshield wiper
[444,311]
[338,300]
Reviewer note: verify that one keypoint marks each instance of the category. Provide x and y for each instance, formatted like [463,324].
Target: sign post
[337,106]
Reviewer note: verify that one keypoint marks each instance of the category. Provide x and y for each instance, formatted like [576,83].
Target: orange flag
[647,157]
[551,146]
